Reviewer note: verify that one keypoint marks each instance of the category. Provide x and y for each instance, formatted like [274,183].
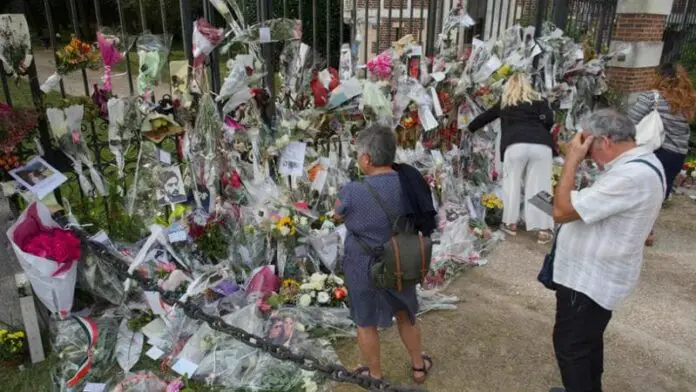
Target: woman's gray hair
[379,142]
[610,123]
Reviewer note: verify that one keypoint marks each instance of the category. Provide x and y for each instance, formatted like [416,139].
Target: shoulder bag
[650,131]
[404,260]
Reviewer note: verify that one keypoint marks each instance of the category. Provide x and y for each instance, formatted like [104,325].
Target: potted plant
[494,209]
[11,348]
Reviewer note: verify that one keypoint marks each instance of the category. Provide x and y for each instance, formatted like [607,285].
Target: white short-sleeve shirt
[601,254]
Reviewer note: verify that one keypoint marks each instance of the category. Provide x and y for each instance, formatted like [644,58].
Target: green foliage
[213,242]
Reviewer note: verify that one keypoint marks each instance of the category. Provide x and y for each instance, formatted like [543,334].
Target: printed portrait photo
[171,186]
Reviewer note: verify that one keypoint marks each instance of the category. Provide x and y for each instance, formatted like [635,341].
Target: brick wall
[417,4]
[528,13]
[631,80]
[387,35]
[639,27]
[635,28]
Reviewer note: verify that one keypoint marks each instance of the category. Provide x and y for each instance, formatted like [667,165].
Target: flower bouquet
[11,348]
[687,176]
[494,209]
[113,50]
[15,125]
[48,255]
[15,44]
[72,57]
[322,290]
[153,51]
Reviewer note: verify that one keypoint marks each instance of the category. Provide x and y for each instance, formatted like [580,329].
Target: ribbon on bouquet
[89,327]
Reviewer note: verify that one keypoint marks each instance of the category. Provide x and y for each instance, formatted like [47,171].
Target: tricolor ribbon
[90,328]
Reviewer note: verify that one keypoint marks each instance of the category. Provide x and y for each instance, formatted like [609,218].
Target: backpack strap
[655,169]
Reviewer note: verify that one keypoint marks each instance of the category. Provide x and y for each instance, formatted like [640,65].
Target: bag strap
[391,218]
[555,238]
[655,169]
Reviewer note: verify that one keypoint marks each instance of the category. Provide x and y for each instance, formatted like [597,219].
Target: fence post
[542,5]
[560,13]
[430,29]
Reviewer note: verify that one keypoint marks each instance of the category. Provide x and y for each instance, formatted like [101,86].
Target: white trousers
[531,165]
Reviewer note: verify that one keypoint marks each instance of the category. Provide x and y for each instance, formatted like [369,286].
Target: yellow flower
[290,283]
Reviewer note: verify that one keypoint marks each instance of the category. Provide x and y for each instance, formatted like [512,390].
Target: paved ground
[500,337]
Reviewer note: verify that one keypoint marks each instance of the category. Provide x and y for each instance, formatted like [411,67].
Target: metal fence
[680,34]
[327,25]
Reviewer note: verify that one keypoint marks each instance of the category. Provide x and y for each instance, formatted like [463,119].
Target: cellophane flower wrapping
[144,381]
[15,44]
[85,346]
[113,48]
[153,51]
[205,39]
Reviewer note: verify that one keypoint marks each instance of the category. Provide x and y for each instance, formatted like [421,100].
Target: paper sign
[292,159]
[38,177]
[164,157]
[178,236]
[437,156]
[265,34]
[185,367]
[438,76]
[154,353]
[94,387]
[417,50]
[153,298]
[436,102]
[156,342]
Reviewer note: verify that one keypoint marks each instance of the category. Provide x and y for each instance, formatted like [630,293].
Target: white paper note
[265,34]
[185,367]
[94,387]
[292,159]
[154,353]
[164,157]
[178,236]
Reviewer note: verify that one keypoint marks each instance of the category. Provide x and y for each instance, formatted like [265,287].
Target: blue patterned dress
[371,307]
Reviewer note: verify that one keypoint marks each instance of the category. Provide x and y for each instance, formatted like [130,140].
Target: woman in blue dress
[373,308]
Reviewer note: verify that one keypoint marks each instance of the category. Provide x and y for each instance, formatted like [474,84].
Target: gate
[327,25]
[680,35]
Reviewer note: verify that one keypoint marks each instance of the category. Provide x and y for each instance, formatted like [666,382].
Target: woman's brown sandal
[427,365]
[364,371]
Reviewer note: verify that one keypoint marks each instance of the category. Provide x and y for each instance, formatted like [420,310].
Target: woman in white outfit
[526,150]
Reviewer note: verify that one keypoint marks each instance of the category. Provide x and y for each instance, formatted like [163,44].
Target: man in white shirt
[599,249]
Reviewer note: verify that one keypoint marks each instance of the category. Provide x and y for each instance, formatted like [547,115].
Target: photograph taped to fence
[38,177]
[171,186]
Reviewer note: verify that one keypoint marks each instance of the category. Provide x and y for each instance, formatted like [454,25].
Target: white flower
[478,231]
[299,327]
[284,231]
[303,124]
[318,280]
[693,174]
[304,221]
[305,300]
[282,141]
[336,280]
[332,191]
[683,173]
[306,287]
[310,385]
[323,297]
[313,294]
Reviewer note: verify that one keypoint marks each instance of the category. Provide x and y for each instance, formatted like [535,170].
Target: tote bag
[650,131]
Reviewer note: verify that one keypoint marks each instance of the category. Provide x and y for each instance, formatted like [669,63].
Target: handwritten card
[154,353]
[292,159]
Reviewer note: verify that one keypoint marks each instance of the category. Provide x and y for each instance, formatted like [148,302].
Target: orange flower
[340,293]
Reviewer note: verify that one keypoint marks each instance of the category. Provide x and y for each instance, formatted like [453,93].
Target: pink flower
[263,305]
[381,66]
[166,267]
[175,386]
[302,205]
[236,180]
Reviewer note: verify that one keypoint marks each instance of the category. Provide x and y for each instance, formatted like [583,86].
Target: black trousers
[672,162]
[578,339]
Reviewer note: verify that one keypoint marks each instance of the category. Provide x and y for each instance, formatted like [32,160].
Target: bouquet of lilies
[322,290]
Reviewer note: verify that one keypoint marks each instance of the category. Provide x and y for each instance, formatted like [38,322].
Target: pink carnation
[381,66]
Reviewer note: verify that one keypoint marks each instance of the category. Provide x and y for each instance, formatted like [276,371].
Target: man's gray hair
[379,142]
[610,123]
